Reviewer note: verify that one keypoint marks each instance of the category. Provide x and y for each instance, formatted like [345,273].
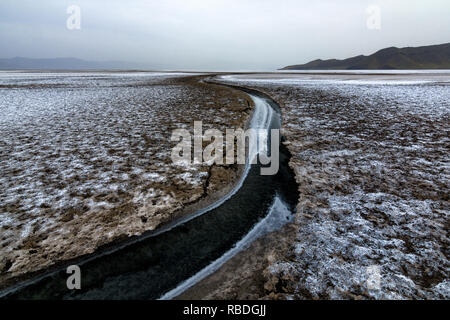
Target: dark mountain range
[428,57]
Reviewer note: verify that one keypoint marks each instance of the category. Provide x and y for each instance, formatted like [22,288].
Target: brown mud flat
[81,231]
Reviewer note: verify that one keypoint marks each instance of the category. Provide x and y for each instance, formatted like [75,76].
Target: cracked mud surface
[85,160]
[372,163]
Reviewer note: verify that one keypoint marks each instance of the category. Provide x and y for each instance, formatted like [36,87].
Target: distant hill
[428,57]
[19,63]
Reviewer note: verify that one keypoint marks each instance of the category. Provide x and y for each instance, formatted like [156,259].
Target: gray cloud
[217,34]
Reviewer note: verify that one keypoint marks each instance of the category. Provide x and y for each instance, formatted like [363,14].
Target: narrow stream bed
[164,264]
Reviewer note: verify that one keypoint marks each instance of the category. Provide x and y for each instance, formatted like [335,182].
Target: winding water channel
[164,263]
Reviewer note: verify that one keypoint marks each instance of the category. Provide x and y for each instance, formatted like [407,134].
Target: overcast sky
[217,34]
